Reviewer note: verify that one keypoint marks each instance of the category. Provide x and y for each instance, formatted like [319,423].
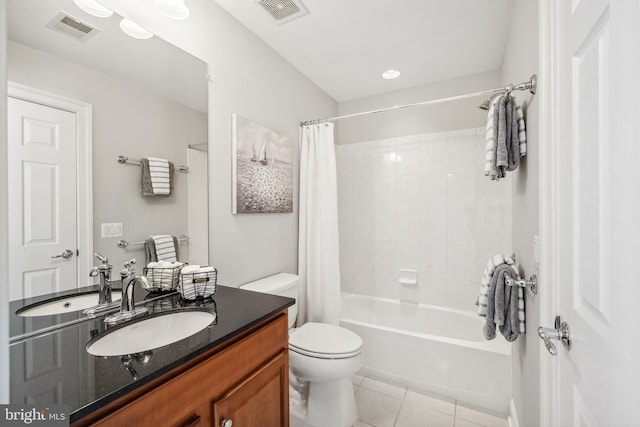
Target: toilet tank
[283,284]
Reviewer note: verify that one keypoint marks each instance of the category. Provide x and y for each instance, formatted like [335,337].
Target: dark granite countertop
[55,368]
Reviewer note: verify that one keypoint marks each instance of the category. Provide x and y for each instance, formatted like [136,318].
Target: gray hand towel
[501,149]
[150,251]
[510,329]
[513,142]
[499,305]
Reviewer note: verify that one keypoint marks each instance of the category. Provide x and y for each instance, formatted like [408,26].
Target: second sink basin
[150,333]
[66,304]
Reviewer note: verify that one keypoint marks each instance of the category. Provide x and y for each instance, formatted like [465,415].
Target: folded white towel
[159,172]
[191,268]
[165,247]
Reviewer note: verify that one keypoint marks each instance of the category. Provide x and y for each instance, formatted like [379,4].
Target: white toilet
[322,359]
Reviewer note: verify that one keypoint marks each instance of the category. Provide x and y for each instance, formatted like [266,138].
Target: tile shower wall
[420,202]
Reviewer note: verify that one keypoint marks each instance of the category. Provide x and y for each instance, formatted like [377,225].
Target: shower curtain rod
[529,85]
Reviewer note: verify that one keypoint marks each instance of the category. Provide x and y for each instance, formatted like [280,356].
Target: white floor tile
[459,422]
[388,389]
[357,379]
[414,415]
[376,408]
[481,418]
[430,402]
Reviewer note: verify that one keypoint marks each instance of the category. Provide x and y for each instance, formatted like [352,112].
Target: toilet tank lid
[273,284]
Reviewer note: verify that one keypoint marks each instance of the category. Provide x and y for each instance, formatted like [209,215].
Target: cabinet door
[260,400]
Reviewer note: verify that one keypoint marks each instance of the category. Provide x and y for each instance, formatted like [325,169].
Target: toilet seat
[325,341]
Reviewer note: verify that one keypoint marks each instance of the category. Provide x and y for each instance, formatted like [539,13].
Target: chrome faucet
[127,272]
[128,310]
[104,271]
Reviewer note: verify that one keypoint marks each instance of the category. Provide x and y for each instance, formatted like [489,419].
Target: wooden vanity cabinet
[246,382]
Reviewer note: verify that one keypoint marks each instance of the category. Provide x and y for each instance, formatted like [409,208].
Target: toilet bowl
[322,359]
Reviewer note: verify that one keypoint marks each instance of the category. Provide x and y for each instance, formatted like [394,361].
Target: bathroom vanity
[234,370]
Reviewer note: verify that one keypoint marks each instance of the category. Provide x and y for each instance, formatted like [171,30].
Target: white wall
[420,202]
[520,61]
[250,79]
[4,271]
[413,121]
[127,120]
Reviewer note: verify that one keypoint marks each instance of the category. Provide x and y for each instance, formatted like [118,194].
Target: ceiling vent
[72,27]
[283,10]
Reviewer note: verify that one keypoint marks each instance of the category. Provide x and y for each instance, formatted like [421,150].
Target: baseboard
[512,419]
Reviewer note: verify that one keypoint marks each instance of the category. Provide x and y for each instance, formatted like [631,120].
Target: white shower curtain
[318,256]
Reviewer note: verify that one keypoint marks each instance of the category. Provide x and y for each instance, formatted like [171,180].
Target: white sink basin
[151,333]
[64,305]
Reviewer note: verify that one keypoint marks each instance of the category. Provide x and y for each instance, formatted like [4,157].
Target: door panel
[42,215]
[593,193]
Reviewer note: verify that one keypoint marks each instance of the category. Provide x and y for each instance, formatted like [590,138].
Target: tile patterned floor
[384,405]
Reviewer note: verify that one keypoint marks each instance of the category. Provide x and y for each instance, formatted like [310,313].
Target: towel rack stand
[124,160]
[123,243]
[531,284]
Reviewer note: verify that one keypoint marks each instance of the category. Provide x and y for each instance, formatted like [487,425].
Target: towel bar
[531,284]
[123,243]
[124,160]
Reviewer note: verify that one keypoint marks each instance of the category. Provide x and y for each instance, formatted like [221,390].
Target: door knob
[226,423]
[68,253]
[560,333]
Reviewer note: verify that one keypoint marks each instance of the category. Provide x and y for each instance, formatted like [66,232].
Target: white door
[590,181]
[42,199]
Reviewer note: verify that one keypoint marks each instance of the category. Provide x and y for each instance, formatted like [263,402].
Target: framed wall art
[262,168]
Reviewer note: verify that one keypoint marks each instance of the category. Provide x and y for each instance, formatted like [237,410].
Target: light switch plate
[111,229]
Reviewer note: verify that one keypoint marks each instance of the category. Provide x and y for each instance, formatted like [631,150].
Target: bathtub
[432,349]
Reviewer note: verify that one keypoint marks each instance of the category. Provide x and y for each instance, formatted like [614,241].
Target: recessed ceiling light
[391,74]
[94,8]
[134,30]
[174,9]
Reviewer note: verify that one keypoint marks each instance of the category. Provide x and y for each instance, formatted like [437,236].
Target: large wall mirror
[148,99]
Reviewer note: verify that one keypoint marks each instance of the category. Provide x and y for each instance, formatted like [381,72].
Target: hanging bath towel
[157,177]
[166,247]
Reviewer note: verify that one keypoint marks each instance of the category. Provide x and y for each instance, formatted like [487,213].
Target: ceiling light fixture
[174,9]
[94,8]
[391,74]
[134,30]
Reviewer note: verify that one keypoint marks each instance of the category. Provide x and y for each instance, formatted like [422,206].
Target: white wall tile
[408,160]
[434,223]
[434,156]
[461,152]
[385,191]
[408,223]
[461,223]
[434,189]
[461,189]
[408,190]
[420,202]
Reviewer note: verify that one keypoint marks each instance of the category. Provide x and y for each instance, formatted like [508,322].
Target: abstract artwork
[262,169]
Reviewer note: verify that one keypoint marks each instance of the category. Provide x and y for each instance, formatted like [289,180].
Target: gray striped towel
[159,172]
[165,247]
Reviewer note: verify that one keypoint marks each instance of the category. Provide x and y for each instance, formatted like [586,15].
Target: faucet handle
[101,258]
[93,272]
[129,263]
